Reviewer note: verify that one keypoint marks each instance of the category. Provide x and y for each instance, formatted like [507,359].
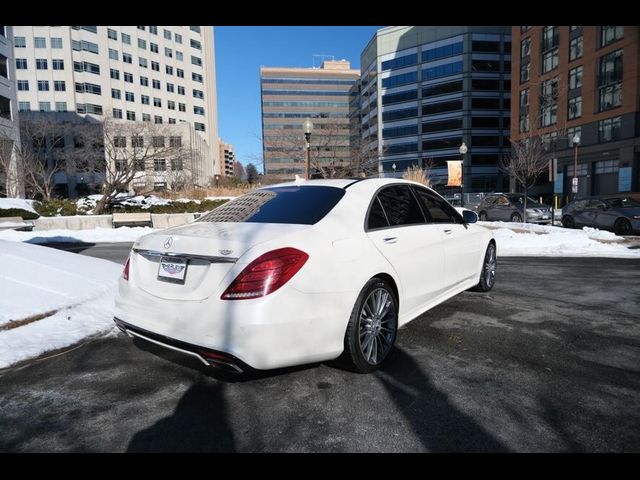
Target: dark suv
[509,207]
[618,213]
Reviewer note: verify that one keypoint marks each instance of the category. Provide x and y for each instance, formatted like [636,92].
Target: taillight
[125,272]
[266,274]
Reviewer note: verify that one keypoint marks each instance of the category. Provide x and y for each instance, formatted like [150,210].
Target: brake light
[266,274]
[125,272]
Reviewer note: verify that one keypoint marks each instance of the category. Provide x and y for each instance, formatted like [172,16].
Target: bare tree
[252,174]
[9,169]
[130,151]
[419,174]
[238,170]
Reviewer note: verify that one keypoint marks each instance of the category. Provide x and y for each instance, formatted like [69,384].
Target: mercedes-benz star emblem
[168,242]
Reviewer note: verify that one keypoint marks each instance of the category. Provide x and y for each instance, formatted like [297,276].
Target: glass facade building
[426,90]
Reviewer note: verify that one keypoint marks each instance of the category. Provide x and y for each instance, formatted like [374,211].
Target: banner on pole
[455,173]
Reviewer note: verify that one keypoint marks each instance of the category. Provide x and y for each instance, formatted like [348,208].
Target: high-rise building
[584,81]
[426,90]
[160,74]
[11,184]
[227,159]
[291,95]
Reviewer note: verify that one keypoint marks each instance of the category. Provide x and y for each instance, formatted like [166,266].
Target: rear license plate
[172,269]
[545,217]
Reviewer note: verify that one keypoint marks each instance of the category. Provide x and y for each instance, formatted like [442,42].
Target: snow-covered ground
[111,235]
[7,203]
[34,281]
[530,240]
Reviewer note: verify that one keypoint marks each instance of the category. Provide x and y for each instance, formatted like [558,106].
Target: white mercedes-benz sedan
[303,272]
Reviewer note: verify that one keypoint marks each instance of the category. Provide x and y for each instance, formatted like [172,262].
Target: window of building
[126,39]
[153,29]
[575,78]
[400,62]
[24,106]
[21,63]
[487,46]
[168,69]
[178,38]
[137,141]
[182,107]
[157,102]
[180,73]
[524,28]
[61,106]
[198,94]
[142,43]
[442,70]
[157,141]
[155,66]
[433,108]
[196,60]
[485,122]
[610,80]
[391,132]
[606,166]
[58,64]
[171,105]
[485,103]
[128,77]
[157,119]
[196,77]
[20,42]
[126,58]
[198,126]
[115,74]
[23,85]
[115,93]
[180,90]
[153,47]
[59,86]
[155,84]
[179,56]
[168,52]
[129,97]
[41,64]
[45,106]
[399,114]
[575,108]
[575,48]
[170,87]
[172,121]
[117,113]
[56,42]
[120,141]
[175,142]
[442,52]
[573,131]
[146,117]
[144,81]
[610,34]
[131,115]
[145,99]
[142,62]
[40,42]
[549,102]
[112,34]
[609,129]
[43,85]
[549,38]
[159,165]
[443,125]
[113,54]
[549,60]
[485,84]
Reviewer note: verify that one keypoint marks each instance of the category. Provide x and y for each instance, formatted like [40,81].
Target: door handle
[448,231]
[390,239]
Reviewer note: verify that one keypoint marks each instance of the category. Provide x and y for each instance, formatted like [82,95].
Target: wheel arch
[388,278]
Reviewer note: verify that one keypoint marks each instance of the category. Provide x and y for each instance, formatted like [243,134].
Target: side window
[437,209]
[502,201]
[488,201]
[400,206]
[377,217]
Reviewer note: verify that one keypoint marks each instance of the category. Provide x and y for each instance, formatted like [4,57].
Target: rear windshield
[295,205]
[623,202]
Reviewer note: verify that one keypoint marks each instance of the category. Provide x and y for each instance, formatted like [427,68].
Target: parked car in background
[303,272]
[509,207]
[620,214]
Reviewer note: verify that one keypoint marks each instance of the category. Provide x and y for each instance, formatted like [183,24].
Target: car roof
[343,182]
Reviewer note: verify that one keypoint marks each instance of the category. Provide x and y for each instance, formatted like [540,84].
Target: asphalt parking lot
[549,361]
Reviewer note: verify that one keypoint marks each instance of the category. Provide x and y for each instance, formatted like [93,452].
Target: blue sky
[241,51]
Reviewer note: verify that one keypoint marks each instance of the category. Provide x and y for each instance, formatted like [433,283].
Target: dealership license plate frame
[164,270]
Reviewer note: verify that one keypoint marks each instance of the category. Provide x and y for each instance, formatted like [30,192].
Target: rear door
[462,246]
[398,229]
[501,209]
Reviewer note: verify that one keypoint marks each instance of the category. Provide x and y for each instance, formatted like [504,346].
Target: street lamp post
[574,186]
[217,179]
[463,151]
[394,169]
[307,128]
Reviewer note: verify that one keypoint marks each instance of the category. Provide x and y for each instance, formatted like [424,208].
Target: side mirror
[469,216]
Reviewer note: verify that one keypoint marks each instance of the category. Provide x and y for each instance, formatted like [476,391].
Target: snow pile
[21,203]
[220,198]
[111,235]
[528,240]
[142,201]
[87,204]
[37,280]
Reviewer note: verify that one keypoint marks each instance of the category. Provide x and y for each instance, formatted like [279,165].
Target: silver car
[621,214]
[509,207]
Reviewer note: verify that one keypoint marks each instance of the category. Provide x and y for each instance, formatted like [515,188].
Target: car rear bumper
[285,328]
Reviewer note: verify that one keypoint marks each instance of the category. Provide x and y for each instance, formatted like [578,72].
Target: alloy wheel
[378,321]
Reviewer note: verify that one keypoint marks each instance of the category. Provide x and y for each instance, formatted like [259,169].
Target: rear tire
[489,268]
[483,216]
[372,329]
[622,227]
[567,222]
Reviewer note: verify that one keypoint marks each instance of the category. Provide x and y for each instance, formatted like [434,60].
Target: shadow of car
[620,214]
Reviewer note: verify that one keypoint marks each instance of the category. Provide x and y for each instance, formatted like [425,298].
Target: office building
[10,181]
[227,159]
[159,74]
[426,90]
[291,95]
[584,81]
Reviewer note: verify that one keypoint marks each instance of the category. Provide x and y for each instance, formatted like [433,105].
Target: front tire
[483,216]
[567,222]
[516,218]
[489,268]
[622,227]
[372,329]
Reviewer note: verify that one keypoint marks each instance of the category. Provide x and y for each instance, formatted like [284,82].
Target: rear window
[294,205]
